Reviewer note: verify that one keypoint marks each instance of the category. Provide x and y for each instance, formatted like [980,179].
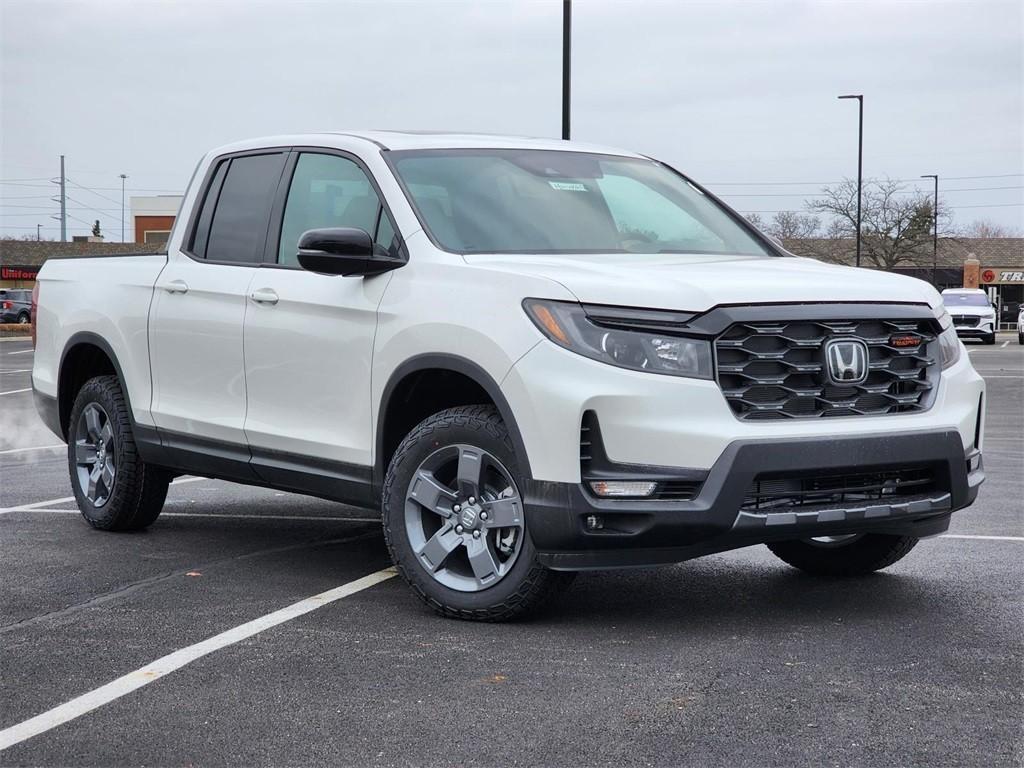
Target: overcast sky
[740,95]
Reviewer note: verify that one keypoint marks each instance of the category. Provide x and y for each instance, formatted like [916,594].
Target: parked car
[1020,325]
[534,357]
[15,305]
[973,315]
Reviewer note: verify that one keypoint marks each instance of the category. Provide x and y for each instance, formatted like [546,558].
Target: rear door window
[239,216]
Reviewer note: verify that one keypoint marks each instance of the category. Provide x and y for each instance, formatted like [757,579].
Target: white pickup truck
[535,357]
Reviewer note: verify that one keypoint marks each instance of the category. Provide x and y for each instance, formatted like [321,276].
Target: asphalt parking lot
[731,660]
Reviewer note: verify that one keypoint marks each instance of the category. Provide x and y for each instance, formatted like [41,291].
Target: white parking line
[1005,345]
[21,352]
[155,670]
[35,448]
[16,391]
[17,370]
[981,538]
[300,518]
[49,502]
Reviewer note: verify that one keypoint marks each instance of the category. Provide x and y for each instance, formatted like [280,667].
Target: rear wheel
[851,555]
[24,318]
[1020,337]
[454,520]
[114,488]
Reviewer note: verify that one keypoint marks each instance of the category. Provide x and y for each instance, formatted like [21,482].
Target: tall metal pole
[860,160]
[123,177]
[38,235]
[935,230]
[566,64]
[63,205]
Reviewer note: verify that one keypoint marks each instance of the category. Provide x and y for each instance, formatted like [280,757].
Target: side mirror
[342,251]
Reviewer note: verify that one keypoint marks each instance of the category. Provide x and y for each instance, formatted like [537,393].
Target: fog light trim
[623,489]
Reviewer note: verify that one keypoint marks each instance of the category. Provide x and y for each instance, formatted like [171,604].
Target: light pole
[935,233]
[123,177]
[860,159]
[38,235]
[566,64]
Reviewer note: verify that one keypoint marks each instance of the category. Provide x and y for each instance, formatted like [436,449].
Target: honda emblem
[846,361]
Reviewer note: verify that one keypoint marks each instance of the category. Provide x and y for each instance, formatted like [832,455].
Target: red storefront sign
[14,272]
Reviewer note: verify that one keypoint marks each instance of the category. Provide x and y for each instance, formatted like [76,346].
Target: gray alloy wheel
[95,455]
[464,518]
[23,319]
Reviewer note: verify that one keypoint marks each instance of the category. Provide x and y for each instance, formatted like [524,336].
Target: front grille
[776,492]
[966,321]
[776,370]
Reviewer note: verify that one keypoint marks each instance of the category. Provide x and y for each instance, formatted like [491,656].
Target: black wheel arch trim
[455,364]
[88,337]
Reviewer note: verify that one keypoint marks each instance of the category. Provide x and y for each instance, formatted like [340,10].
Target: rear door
[309,337]
[199,309]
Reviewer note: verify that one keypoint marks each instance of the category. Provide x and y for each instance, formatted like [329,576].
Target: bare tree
[896,225]
[985,230]
[790,225]
[756,220]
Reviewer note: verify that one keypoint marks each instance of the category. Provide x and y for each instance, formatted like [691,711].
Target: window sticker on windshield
[568,186]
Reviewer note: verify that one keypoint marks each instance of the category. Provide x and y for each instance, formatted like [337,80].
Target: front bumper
[983,328]
[642,532]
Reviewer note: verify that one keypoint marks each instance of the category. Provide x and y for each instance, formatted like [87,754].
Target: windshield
[544,201]
[965,300]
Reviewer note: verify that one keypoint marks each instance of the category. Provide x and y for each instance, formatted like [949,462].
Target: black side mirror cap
[342,251]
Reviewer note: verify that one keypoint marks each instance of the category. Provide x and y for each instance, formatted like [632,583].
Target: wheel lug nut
[476,534]
[457,508]
[459,529]
[483,515]
[472,500]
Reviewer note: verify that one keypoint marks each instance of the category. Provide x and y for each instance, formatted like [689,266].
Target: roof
[402,140]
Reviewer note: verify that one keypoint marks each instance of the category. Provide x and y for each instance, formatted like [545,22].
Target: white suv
[973,315]
[535,357]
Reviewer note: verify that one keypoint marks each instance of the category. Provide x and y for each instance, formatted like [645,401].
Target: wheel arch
[426,370]
[85,355]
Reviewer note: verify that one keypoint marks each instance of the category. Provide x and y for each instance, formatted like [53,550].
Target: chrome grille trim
[775,369]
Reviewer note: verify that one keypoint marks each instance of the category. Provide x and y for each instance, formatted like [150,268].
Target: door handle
[176,286]
[264,296]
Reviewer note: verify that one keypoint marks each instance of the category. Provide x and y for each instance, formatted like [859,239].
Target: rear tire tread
[139,489]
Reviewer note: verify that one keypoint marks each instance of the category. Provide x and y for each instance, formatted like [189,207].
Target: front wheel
[454,521]
[851,555]
[991,338]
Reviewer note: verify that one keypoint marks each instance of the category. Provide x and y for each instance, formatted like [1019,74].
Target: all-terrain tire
[527,585]
[139,490]
[866,554]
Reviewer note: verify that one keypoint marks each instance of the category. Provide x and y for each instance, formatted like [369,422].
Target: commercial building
[152,217]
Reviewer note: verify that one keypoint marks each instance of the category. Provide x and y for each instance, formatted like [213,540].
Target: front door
[309,339]
[199,311]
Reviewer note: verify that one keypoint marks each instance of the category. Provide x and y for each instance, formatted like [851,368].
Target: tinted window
[542,201]
[329,191]
[238,230]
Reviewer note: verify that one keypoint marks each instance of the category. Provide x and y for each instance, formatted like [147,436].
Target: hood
[699,282]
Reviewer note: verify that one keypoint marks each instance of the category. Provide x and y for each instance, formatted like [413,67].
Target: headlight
[568,325]
[949,347]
